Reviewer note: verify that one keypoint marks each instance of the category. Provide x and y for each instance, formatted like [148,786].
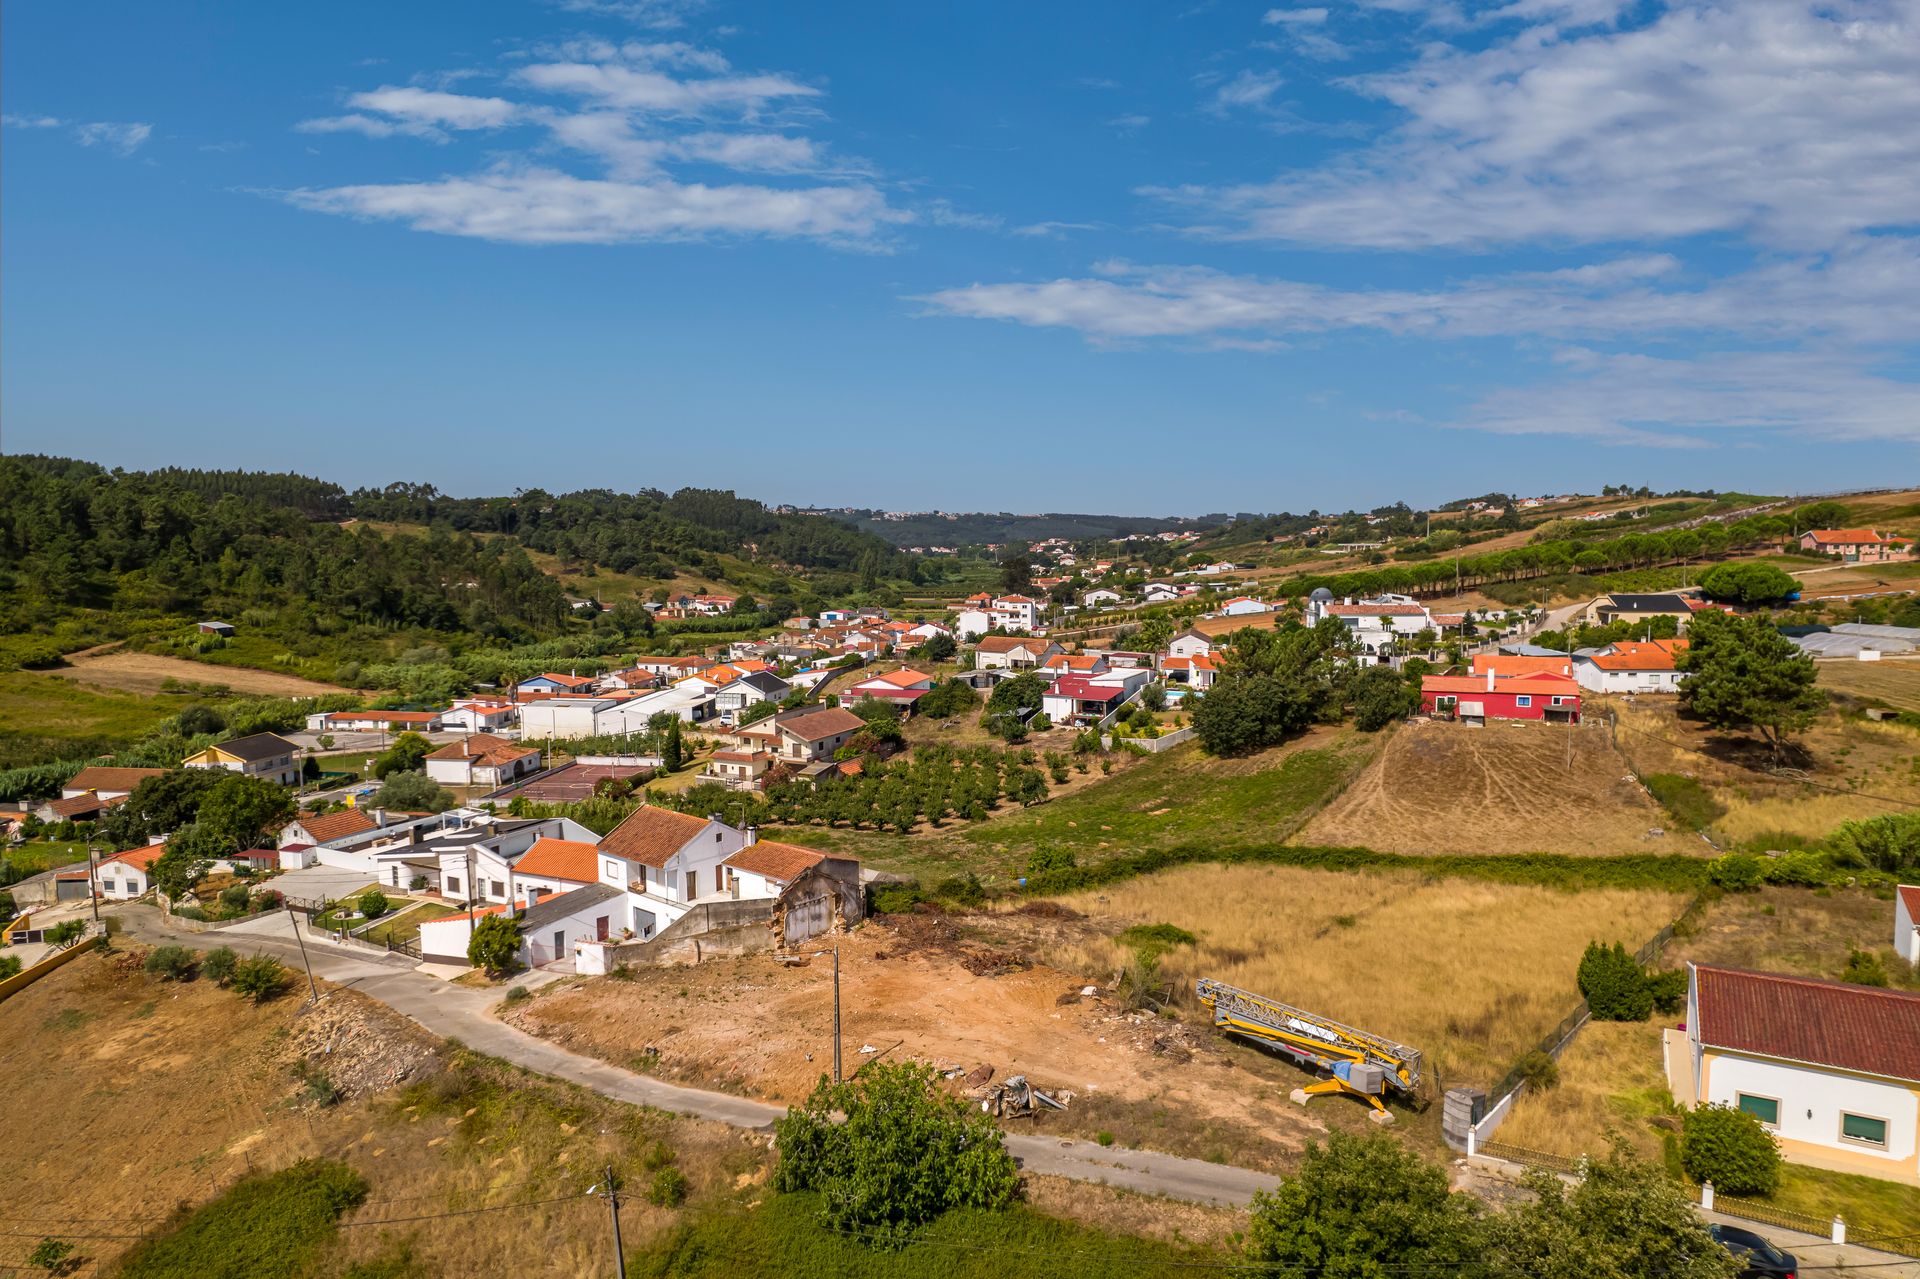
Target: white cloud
[1056,230]
[659,14]
[1249,89]
[542,206]
[1130,123]
[122,139]
[637,88]
[943,213]
[1790,121]
[31,121]
[448,110]
[1295,17]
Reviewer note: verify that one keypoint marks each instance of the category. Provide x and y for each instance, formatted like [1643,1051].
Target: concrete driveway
[319,883]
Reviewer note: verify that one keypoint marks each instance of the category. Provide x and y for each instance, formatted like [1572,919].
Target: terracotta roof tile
[138,858]
[572,860]
[784,862]
[652,835]
[484,749]
[1869,1029]
[323,827]
[98,777]
[1520,664]
[1911,896]
[814,726]
[1843,536]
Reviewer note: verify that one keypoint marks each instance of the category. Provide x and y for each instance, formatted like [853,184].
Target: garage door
[809,917]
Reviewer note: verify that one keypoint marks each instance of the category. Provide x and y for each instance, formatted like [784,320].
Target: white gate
[809,917]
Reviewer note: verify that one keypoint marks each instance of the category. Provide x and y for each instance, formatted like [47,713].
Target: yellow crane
[1360,1064]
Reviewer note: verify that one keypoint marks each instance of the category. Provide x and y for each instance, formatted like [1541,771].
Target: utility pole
[613,1203]
[836,1014]
[93,885]
[313,991]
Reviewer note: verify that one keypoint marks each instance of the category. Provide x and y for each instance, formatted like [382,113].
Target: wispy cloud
[1249,90]
[123,139]
[662,15]
[1131,123]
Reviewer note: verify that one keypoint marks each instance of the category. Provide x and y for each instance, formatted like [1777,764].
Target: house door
[559,943]
[600,928]
[693,885]
[808,918]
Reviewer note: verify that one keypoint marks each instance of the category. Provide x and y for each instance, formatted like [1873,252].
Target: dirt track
[1451,788]
[146,673]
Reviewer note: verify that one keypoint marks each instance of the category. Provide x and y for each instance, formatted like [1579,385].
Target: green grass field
[43,717]
[404,926]
[36,855]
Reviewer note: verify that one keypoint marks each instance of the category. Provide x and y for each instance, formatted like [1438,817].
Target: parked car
[1759,1259]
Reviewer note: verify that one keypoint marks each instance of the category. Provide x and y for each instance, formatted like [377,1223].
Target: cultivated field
[1471,973]
[1891,680]
[1842,769]
[940,991]
[148,673]
[1536,788]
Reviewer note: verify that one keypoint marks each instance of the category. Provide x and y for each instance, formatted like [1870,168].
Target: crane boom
[1362,1064]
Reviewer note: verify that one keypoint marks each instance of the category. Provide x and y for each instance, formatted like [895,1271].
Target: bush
[962,890]
[1798,869]
[1614,986]
[895,899]
[259,978]
[1155,939]
[1668,988]
[518,995]
[1864,969]
[1538,1070]
[1736,872]
[1685,799]
[218,965]
[1042,860]
[495,945]
[170,963]
[373,903]
[906,1153]
[668,1188]
[235,896]
[266,1226]
[1731,1149]
[61,934]
[9,966]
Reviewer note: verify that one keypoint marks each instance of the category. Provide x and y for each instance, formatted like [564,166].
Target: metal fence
[1531,1158]
[1771,1215]
[1902,1245]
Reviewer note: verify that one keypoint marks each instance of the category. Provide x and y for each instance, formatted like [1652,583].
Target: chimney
[379,816]
[413,833]
[1489,677]
[753,836]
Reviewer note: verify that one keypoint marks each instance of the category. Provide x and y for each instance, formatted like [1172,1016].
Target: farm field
[1611,1076]
[1845,768]
[43,717]
[1471,973]
[946,991]
[148,673]
[1159,801]
[1895,682]
[1450,788]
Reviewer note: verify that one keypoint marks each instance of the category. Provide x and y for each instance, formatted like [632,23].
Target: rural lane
[455,1012]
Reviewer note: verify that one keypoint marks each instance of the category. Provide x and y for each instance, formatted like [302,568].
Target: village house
[814,733]
[1378,626]
[1627,606]
[475,862]
[1101,597]
[481,715]
[552,866]
[309,829]
[670,667]
[87,807]
[1856,545]
[901,688]
[124,876]
[1190,643]
[1522,664]
[749,689]
[667,862]
[552,682]
[1831,1069]
[481,759]
[267,756]
[1631,666]
[381,721]
[1011,652]
[550,927]
[1906,923]
[1081,702]
[107,783]
[1159,593]
[1198,671]
[1475,699]
[1073,664]
[738,769]
[633,677]
[1243,606]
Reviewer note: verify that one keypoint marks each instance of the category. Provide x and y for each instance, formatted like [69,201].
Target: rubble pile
[359,1046]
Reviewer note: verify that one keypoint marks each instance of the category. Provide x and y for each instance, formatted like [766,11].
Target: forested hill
[74,535]
[956,529]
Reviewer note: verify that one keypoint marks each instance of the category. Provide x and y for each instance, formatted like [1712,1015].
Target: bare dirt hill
[148,673]
[1534,788]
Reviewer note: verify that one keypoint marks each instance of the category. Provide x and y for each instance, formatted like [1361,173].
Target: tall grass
[264,1227]
[1469,971]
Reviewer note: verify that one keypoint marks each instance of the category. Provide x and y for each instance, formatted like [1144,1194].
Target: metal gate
[809,917]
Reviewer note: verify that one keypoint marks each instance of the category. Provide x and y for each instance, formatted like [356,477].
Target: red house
[1479,698]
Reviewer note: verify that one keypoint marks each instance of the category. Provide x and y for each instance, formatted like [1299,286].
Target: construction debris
[1015,1098]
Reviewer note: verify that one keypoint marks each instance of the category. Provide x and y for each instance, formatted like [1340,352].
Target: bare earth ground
[1451,788]
[917,989]
[146,672]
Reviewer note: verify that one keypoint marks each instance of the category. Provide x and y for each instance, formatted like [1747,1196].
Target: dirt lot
[940,992]
[146,672]
[1450,788]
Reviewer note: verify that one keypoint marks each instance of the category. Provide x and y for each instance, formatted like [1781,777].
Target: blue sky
[985,256]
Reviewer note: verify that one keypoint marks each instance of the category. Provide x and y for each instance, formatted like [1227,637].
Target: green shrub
[373,903]
[218,965]
[1864,969]
[495,945]
[895,899]
[1155,939]
[1736,872]
[1668,987]
[518,994]
[55,1256]
[170,963]
[962,890]
[905,1154]
[1614,986]
[267,1226]
[61,934]
[1688,802]
[668,1188]
[1538,1070]
[235,896]
[9,966]
[1731,1149]
[1799,869]
[259,978]
[1043,860]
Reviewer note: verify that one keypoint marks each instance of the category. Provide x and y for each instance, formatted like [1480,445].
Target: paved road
[455,1012]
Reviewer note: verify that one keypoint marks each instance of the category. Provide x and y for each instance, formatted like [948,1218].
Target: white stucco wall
[1811,1102]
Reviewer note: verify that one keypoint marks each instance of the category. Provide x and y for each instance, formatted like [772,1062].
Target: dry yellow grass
[1470,973]
[1611,1081]
[1893,681]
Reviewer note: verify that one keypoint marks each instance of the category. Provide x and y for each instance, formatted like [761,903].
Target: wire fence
[1772,1215]
[1531,1158]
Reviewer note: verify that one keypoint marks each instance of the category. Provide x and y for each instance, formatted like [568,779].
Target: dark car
[1760,1259]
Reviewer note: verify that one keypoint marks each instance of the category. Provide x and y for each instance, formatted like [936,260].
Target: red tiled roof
[1518,664]
[99,777]
[1640,655]
[902,678]
[1546,684]
[652,835]
[1375,610]
[484,749]
[322,827]
[87,803]
[819,725]
[572,860]
[1911,896]
[1869,1029]
[784,862]
[384,717]
[1082,689]
[1843,536]
[138,858]
[1007,643]
[566,681]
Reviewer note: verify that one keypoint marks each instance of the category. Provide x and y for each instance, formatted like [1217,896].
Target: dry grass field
[1471,973]
[1892,680]
[146,673]
[1535,788]
[1845,769]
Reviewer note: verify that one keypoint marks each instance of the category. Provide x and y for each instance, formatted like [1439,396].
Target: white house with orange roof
[1198,671]
[1074,664]
[481,759]
[901,688]
[1244,606]
[124,876]
[1631,666]
[1906,923]
[1011,652]
[1856,545]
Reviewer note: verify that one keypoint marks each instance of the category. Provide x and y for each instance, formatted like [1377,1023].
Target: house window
[1863,1129]
[1559,701]
[499,889]
[1523,699]
[613,870]
[453,885]
[1445,703]
[1765,1109]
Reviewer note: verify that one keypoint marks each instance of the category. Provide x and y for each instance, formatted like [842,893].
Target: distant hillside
[978,528]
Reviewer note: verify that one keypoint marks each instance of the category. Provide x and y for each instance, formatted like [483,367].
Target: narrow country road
[456,1012]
